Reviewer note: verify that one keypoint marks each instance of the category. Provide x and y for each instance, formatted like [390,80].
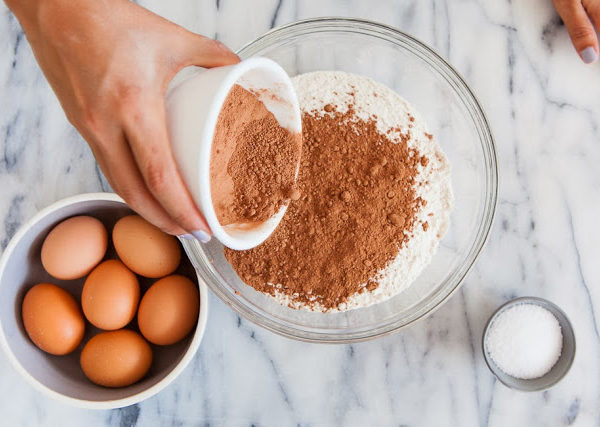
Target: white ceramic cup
[194,100]
[61,377]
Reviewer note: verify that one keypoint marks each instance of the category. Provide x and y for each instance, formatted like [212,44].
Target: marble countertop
[542,102]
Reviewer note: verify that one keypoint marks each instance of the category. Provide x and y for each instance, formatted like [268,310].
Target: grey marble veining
[543,106]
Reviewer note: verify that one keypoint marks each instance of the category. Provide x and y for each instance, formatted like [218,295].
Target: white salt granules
[395,118]
[525,341]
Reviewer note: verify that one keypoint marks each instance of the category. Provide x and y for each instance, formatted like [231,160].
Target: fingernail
[202,236]
[589,55]
[187,236]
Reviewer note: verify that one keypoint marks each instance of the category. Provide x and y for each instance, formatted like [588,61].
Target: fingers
[124,177]
[205,52]
[146,132]
[593,11]
[580,28]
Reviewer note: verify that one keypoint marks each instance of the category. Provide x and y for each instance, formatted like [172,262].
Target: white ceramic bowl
[193,103]
[61,377]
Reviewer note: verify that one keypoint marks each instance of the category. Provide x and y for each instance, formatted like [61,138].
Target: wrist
[23,9]
[26,11]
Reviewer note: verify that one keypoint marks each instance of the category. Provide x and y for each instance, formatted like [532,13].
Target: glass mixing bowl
[453,115]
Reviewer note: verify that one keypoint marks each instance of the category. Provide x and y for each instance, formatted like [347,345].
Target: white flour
[316,90]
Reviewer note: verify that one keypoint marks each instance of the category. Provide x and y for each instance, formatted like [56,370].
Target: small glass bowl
[453,115]
[560,368]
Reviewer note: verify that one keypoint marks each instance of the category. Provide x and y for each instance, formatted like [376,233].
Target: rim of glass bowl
[452,283]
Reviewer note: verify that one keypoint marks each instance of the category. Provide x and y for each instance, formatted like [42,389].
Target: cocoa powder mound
[253,161]
[357,208]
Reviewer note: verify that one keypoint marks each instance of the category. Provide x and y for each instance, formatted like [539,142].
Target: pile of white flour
[395,118]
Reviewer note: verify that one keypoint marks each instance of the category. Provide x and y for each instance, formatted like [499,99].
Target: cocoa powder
[357,208]
[253,161]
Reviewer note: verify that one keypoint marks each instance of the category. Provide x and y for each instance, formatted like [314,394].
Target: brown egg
[169,310]
[74,247]
[116,358]
[52,319]
[144,248]
[110,296]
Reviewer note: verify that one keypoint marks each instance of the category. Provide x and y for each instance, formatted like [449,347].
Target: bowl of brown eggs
[100,309]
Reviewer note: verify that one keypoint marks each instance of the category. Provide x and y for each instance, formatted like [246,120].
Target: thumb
[205,52]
